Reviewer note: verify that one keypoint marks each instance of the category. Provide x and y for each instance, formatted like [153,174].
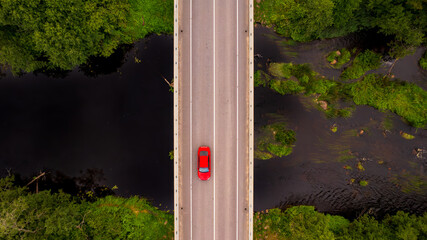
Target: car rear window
[203,153]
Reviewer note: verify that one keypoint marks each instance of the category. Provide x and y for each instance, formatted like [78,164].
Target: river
[115,115]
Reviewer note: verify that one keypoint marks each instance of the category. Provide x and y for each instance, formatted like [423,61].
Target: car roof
[204,161]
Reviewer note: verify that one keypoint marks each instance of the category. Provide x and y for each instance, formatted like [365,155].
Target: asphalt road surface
[213,111]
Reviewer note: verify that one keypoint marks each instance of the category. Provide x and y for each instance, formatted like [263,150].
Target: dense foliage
[62,34]
[404,20]
[303,222]
[405,99]
[363,62]
[338,58]
[47,215]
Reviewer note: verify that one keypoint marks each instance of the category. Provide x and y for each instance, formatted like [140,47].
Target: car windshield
[203,153]
[203,169]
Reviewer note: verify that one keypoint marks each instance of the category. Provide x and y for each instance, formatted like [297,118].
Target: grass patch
[368,60]
[275,140]
[339,57]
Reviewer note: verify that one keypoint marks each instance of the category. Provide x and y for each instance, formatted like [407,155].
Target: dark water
[314,173]
[114,115]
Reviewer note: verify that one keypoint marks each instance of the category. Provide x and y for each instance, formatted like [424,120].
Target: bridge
[213,106]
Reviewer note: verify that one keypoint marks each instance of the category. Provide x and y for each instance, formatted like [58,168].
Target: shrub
[363,62]
[275,139]
[47,215]
[340,56]
[405,99]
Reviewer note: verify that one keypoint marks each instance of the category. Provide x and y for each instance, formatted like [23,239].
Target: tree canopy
[53,34]
[404,20]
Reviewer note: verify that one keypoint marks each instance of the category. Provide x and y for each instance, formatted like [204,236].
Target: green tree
[59,34]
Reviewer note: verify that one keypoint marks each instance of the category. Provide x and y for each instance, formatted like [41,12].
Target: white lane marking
[191,119]
[176,125]
[251,117]
[213,158]
[237,121]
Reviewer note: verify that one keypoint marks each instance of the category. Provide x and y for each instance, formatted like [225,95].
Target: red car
[204,163]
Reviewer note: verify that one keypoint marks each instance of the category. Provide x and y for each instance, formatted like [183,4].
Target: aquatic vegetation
[347,167]
[387,123]
[360,166]
[261,79]
[405,99]
[339,57]
[304,222]
[262,155]
[410,183]
[275,139]
[363,62]
[363,183]
[407,136]
[423,61]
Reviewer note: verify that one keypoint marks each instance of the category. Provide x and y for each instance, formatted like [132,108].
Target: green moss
[363,62]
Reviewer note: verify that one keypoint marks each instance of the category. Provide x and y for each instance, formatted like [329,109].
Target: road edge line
[176,121]
[251,118]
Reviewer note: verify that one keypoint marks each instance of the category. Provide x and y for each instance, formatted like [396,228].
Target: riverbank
[59,215]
